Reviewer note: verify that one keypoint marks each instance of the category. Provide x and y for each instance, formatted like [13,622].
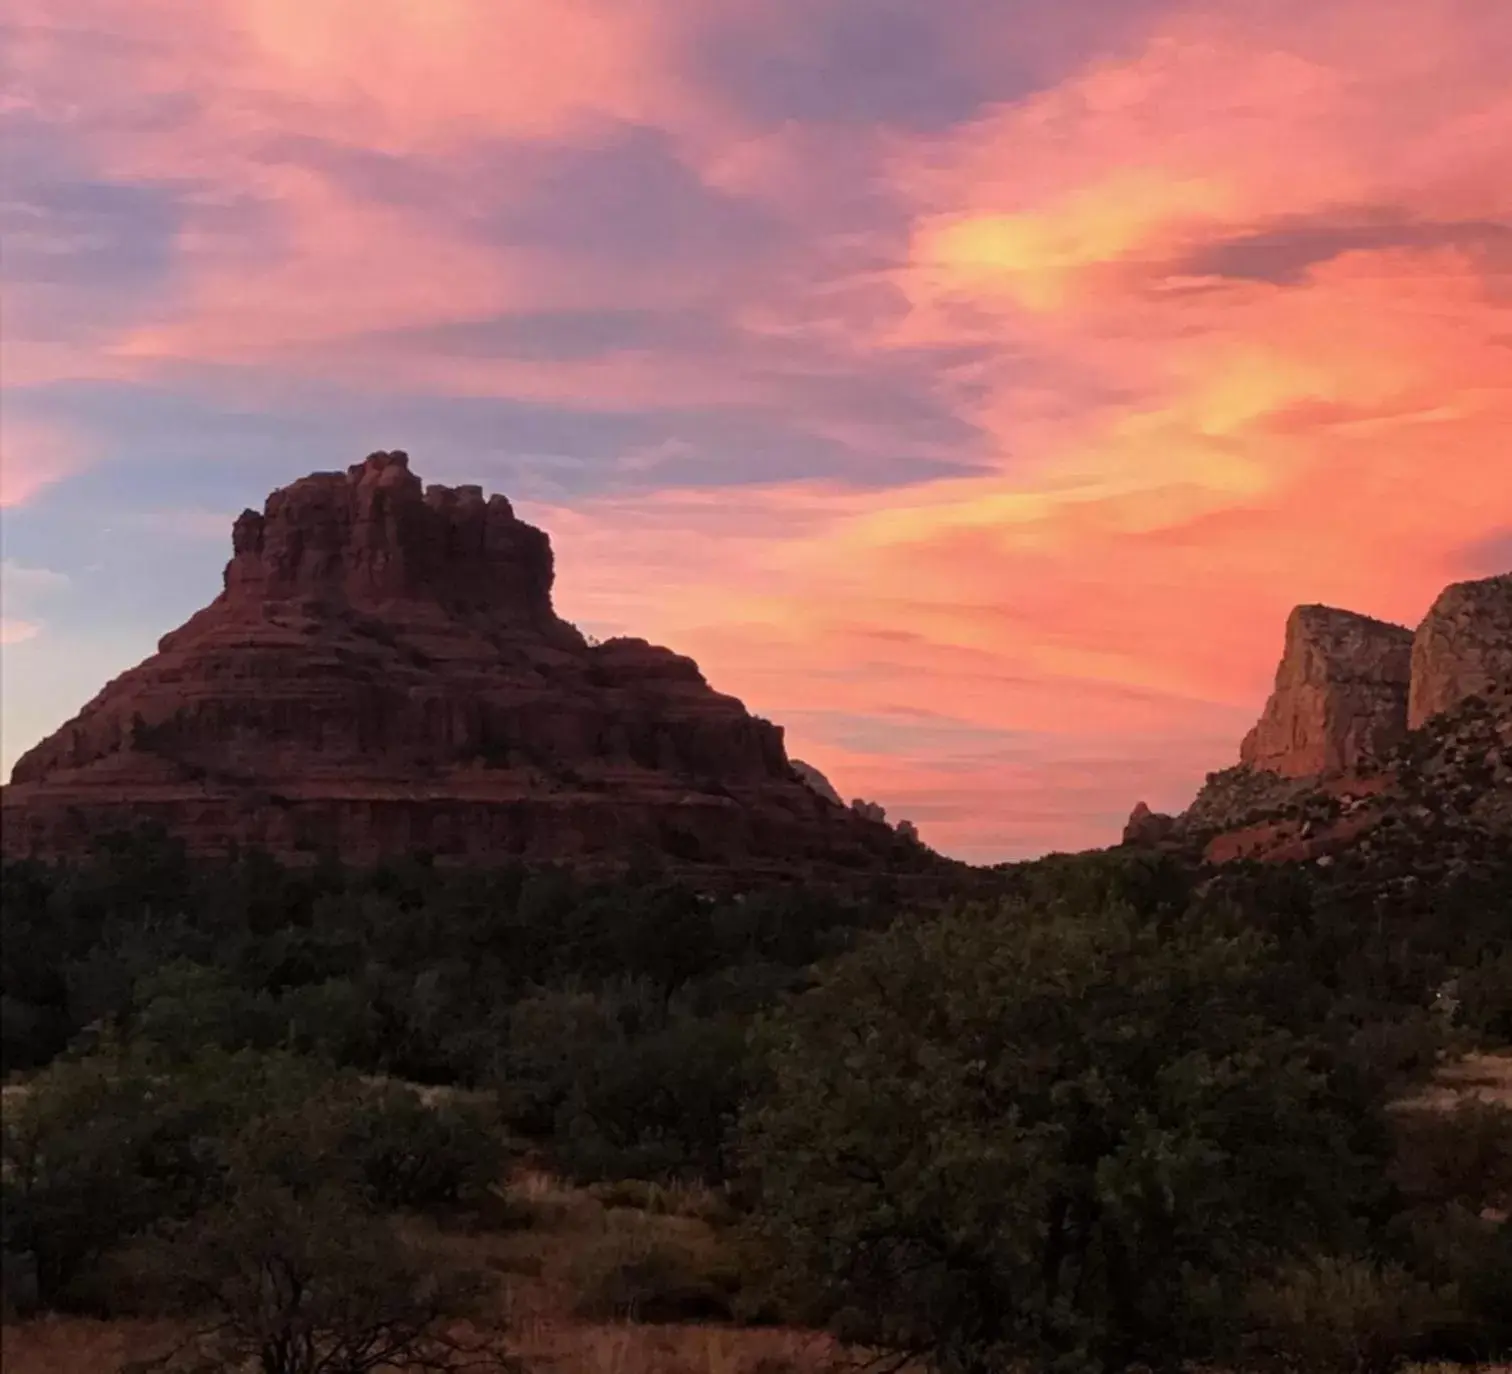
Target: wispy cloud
[23,591]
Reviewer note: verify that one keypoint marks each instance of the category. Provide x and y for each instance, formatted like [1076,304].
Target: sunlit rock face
[1372,730]
[1340,695]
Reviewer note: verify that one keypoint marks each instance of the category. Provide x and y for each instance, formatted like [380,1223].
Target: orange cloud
[1189,441]
[1034,258]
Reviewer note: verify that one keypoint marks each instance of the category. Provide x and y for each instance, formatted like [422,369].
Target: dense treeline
[1057,1119]
[611,1014]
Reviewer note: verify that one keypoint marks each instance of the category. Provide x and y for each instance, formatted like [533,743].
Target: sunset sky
[971,386]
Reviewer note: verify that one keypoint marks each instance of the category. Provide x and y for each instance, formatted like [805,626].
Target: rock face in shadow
[1463,648]
[383,672]
[815,779]
[1147,829]
[1340,695]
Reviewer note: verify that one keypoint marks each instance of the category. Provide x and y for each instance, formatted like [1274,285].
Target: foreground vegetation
[1117,1112]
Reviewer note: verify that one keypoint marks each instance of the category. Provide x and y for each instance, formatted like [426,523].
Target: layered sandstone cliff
[383,672]
[1340,694]
[1366,719]
[1463,648]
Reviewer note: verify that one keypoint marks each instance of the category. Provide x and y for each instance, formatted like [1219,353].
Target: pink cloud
[33,455]
[22,590]
[350,80]
[1331,429]
[17,631]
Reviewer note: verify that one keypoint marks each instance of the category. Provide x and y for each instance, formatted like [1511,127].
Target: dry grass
[1475,1077]
[558,1234]
[1484,1076]
[584,1348]
[537,1260]
[78,1345]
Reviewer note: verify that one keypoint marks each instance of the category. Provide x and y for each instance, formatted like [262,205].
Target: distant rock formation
[1371,725]
[1147,828]
[1463,648]
[1340,694]
[383,672]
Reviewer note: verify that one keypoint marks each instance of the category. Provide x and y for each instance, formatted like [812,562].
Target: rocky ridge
[384,672]
[1340,695]
[1371,727]
[1463,648]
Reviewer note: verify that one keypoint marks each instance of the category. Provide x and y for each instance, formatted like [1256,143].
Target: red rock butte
[1349,688]
[1340,695]
[1358,704]
[383,673]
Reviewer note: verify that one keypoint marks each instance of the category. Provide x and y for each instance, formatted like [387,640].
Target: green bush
[623,1087]
[99,1151]
[1050,1134]
[102,1152]
[1458,1251]
[312,1284]
[184,1009]
[413,1154]
[1485,995]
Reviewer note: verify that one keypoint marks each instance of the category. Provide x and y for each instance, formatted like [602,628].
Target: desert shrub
[623,1087]
[552,1034]
[102,1152]
[1351,1315]
[1050,1134]
[640,1270]
[414,1154]
[333,1020]
[184,1009]
[312,1284]
[31,1033]
[382,1142]
[657,1106]
[1485,995]
[1456,1250]
[1398,1048]
[178,1011]
[97,1152]
[1484,1282]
